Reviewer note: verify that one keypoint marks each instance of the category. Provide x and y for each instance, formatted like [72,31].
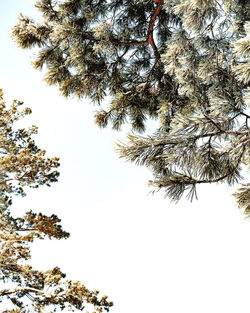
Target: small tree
[23,164]
[182,62]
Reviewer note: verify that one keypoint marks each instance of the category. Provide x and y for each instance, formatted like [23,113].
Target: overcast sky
[147,254]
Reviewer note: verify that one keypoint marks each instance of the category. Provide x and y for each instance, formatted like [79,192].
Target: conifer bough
[23,164]
[185,63]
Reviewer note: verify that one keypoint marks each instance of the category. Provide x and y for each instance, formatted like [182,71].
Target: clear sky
[147,254]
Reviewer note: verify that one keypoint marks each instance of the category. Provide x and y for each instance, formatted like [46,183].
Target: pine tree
[23,164]
[184,63]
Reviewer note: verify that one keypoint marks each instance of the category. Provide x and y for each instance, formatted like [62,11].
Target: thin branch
[27,229]
[232,171]
[215,124]
[240,113]
[41,292]
[236,132]
[25,289]
[106,70]
[110,65]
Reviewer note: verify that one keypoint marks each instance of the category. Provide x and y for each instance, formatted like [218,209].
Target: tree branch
[150,38]
[232,171]
[236,132]
[41,292]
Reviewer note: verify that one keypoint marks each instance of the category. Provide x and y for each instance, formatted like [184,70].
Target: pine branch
[150,38]
[230,173]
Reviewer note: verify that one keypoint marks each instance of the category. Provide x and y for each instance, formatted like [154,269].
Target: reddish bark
[150,38]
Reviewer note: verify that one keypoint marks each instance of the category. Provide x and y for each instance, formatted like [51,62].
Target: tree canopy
[184,63]
[23,164]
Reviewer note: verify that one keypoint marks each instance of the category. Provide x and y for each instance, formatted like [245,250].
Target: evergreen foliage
[23,164]
[185,63]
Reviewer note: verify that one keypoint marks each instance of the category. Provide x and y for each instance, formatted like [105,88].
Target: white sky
[146,254]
